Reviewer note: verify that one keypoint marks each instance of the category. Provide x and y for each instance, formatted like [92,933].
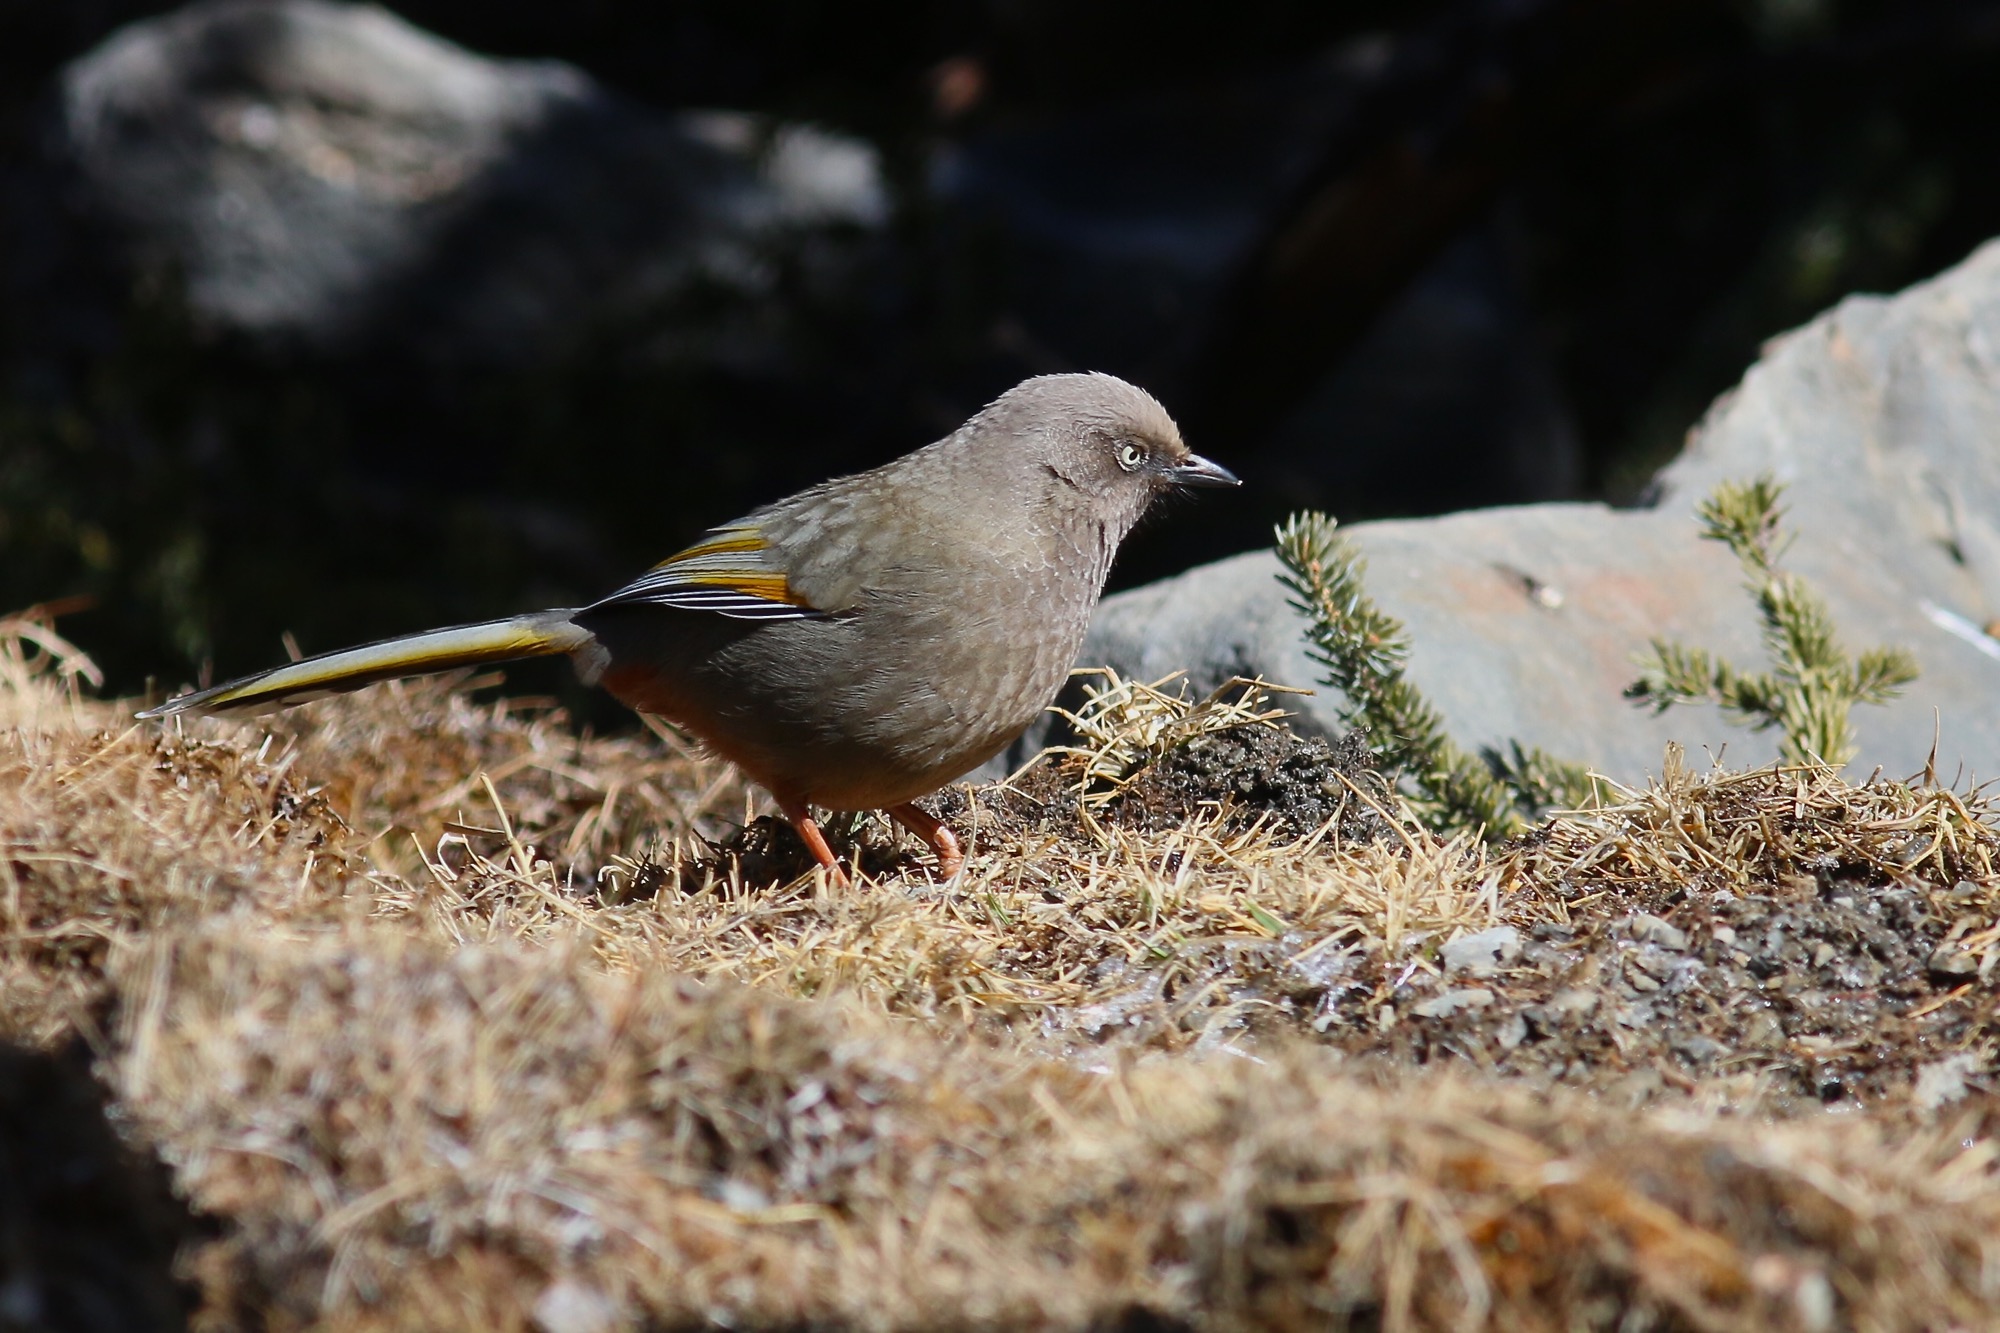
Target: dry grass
[421,1137]
[350,975]
[1785,827]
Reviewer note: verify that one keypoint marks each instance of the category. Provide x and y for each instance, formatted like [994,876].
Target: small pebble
[1483,951]
[570,1306]
[1655,964]
[1574,1000]
[1639,981]
[1449,1003]
[1954,963]
[1646,926]
[1815,1302]
[1913,851]
[1943,1081]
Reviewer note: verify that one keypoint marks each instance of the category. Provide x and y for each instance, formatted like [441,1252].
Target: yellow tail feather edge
[544,634]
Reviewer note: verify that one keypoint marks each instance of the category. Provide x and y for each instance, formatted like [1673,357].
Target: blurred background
[342,321]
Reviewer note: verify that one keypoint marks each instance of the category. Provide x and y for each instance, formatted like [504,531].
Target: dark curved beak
[1194,470]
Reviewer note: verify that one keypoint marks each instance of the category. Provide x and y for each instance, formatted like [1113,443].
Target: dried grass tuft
[1793,828]
[353,974]
[1124,725]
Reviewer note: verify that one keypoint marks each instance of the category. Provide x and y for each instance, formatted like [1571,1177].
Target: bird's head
[1106,444]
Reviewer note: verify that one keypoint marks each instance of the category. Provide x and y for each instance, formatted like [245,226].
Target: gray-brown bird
[864,642]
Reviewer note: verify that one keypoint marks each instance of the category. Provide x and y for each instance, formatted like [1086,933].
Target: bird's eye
[1130,456]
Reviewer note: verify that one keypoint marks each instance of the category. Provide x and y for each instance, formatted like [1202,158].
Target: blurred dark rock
[329,178]
[1453,381]
[1117,233]
[1880,417]
[1117,225]
[88,1228]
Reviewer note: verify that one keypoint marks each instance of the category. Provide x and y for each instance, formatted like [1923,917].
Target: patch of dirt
[1781,939]
[1850,995]
[1257,773]
[1297,782]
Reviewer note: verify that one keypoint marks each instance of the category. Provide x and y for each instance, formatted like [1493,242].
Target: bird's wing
[732,571]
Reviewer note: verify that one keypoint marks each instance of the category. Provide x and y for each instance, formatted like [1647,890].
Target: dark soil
[1845,995]
[1848,997]
[1829,980]
[1295,782]
[1850,994]
[1256,773]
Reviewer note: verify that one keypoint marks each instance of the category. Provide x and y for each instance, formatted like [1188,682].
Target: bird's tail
[544,634]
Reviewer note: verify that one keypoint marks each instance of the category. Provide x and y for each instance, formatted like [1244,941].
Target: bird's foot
[801,816]
[933,831]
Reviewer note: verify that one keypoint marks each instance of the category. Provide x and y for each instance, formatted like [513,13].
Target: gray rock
[1452,1001]
[1482,951]
[1954,964]
[1882,417]
[1941,1082]
[1574,1000]
[1653,930]
[327,176]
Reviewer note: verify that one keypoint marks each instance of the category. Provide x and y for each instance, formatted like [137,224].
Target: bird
[862,643]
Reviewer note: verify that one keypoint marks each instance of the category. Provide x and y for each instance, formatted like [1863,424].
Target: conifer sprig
[1364,651]
[1812,687]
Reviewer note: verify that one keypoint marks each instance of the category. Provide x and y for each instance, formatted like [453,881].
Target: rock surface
[328,176]
[1882,419]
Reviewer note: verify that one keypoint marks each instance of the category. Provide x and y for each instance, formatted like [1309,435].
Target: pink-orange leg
[932,831]
[801,816]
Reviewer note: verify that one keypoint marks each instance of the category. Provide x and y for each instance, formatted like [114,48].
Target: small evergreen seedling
[1364,650]
[1813,686]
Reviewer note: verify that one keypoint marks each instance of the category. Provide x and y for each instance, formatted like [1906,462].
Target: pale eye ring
[1130,456]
